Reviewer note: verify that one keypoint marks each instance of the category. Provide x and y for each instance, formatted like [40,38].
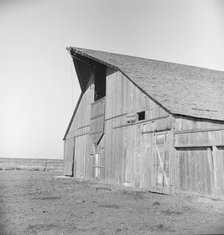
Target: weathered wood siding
[69,145]
[83,163]
[98,156]
[77,143]
[129,154]
[161,152]
[81,121]
[199,159]
[97,120]
[185,123]
[124,155]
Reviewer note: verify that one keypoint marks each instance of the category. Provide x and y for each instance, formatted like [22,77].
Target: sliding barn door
[147,159]
[161,166]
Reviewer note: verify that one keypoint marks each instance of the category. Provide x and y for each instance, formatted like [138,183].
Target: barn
[146,124]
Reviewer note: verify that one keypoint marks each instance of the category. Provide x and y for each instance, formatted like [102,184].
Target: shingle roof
[180,89]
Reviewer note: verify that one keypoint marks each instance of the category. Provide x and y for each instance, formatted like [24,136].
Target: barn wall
[81,121]
[159,153]
[198,159]
[185,123]
[123,97]
[77,142]
[128,152]
[68,156]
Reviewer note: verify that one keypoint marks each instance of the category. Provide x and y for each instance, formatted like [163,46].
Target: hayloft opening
[141,116]
[100,82]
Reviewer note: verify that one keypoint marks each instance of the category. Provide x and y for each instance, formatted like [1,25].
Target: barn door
[161,162]
[69,150]
[97,137]
[98,160]
[129,155]
[98,164]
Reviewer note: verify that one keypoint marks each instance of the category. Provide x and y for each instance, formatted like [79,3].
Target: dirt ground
[37,202]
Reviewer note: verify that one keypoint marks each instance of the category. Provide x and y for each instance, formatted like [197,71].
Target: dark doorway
[100,82]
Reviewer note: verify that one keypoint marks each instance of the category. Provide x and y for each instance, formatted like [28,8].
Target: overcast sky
[38,85]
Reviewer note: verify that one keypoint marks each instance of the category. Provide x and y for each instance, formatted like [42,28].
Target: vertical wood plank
[214,151]
[211,169]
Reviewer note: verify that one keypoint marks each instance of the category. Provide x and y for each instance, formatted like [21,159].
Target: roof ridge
[176,87]
[144,58]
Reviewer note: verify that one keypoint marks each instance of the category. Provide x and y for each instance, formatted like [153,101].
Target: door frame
[161,160]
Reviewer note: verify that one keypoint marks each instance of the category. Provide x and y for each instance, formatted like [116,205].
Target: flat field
[37,202]
[32,164]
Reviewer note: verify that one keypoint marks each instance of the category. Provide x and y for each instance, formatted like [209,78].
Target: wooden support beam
[82,134]
[198,145]
[198,130]
[172,161]
[81,127]
[121,115]
[155,131]
[140,122]
[98,116]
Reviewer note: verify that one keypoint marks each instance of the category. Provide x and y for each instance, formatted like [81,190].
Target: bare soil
[36,202]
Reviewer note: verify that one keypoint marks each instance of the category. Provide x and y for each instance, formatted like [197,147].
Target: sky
[38,84]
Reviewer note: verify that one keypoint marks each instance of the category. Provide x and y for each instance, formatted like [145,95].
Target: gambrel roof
[180,89]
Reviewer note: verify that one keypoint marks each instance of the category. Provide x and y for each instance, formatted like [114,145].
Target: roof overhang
[85,66]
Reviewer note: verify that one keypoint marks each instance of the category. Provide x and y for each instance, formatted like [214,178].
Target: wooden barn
[147,124]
